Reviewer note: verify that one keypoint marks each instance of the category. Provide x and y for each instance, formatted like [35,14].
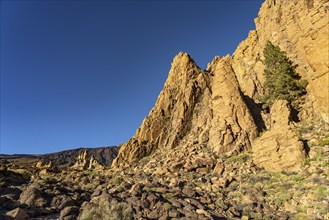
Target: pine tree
[281,79]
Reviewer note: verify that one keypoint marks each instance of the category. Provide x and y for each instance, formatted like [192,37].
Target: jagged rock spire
[195,106]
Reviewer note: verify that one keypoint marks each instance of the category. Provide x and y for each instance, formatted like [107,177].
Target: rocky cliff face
[188,149]
[194,106]
[175,113]
[232,125]
[279,148]
[299,27]
[218,106]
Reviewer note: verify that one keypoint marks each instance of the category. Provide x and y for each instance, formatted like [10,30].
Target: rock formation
[232,123]
[218,106]
[186,89]
[94,164]
[299,27]
[279,149]
[43,165]
[83,162]
[188,150]
[194,106]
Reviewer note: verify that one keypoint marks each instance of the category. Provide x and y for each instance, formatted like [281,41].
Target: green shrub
[106,210]
[281,80]
[321,192]
[323,142]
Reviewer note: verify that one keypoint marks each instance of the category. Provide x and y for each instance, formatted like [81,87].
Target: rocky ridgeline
[206,150]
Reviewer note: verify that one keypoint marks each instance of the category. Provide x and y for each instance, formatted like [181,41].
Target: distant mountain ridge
[104,155]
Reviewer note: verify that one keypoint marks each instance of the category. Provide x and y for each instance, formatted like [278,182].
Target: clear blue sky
[86,73]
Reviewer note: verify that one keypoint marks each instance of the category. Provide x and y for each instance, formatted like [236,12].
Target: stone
[203,170]
[69,212]
[136,189]
[188,213]
[175,203]
[176,167]
[174,214]
[32,196]
[203,212]
[134,201]
[160,171]
[18,214]
[152,198]
[94,164]
[189,191]
[220,181]
[244,217]
[64,202]
[219,168]
[234,212]
[196,203]
[173,182]
[43,172]
[154,214]
[164,216]
[204,162]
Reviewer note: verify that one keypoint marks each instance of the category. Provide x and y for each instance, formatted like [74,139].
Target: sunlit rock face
[218,106]
[279,148]
[195,106]
[300,28]
[85,162]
